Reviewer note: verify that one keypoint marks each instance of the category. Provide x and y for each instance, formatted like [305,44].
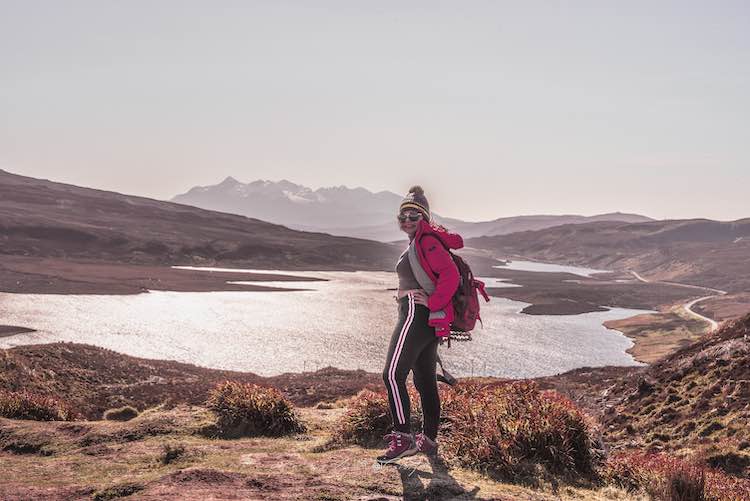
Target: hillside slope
[695,251]
[46,219]
[695,399]
[94,379]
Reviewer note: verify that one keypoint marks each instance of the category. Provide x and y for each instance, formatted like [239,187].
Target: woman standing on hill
[427,280]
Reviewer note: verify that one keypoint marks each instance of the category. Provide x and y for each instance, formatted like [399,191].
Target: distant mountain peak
[229,181]
[356,211]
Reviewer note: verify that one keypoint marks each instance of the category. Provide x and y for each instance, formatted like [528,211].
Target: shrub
[508,430]
[252,410]
[368,418]
[685,484]
[125,413]
[25,405]
[668,478]
[171,453]
[511,429]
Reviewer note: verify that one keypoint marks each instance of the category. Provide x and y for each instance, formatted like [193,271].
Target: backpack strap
[424,281]
[416,267]
[480,287]
[446,376]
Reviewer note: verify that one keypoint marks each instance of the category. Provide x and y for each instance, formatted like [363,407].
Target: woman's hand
[420,297]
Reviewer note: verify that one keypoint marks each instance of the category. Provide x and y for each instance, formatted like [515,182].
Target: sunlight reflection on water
[344,322]
[549,268]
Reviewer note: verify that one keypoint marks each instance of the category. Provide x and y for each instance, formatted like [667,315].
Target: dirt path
[689,305]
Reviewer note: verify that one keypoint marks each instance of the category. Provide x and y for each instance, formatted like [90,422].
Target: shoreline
[12,330]
[59,276]
[547,293]
[654,335]
[657,335]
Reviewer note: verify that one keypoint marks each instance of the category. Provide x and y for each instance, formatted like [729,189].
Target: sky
[497,108]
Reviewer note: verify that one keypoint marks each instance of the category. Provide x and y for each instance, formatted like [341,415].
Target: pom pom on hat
[415,199]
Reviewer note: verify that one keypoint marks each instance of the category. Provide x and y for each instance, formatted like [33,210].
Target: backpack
[466,298]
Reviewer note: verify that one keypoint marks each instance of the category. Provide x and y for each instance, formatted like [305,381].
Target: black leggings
[413,347]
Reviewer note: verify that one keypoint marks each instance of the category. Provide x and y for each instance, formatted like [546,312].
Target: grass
[258,467]
[25,405]
[669,478]
[248,410]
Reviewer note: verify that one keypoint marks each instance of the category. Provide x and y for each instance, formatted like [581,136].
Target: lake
[547,267]
[345,322]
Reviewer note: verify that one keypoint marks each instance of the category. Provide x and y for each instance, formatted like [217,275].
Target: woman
[427,280]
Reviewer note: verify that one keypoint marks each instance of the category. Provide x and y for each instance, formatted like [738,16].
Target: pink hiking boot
[401,445]
[426,445]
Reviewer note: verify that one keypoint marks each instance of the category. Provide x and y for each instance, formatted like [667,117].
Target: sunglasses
[413,217]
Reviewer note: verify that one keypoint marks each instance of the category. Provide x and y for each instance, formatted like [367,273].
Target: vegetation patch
[28,446]
[118,491]
[248,410]
[730,461]
[368,420]
[510,430]
[665,477]
[125,413]
[171,453]
[25,405]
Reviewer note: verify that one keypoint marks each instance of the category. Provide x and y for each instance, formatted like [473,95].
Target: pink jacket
[438,264]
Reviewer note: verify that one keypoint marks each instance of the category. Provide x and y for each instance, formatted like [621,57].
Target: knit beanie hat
[415,199]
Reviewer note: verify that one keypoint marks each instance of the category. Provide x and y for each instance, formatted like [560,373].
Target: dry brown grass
[123,458]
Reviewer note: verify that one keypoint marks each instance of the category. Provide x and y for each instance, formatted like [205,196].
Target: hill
[42,218]
[514,224]
[94,379]
[695,251]
[696,400]
[709,256]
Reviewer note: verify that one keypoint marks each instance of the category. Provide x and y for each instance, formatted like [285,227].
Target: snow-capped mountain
[298,206]
[354,212]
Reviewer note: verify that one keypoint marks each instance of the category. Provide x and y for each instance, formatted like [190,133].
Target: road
[689,305]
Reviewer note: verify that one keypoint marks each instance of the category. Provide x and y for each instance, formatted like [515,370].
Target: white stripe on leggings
[394,361]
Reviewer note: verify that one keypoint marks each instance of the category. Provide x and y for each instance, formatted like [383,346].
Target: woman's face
[408,220]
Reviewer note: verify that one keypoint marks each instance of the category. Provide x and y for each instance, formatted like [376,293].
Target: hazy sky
[496,108]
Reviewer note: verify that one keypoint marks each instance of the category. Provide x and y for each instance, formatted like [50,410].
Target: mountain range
[353,212]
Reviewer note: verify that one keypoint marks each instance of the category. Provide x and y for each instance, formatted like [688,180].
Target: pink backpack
[466,299]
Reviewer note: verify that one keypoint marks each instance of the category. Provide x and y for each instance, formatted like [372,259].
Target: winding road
[688,306]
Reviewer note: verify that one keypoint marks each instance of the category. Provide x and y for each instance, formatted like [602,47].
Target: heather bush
[252,410]
[368,419]
[513,429]
[508,430]
[25,405]
[125,413]
[667,478]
